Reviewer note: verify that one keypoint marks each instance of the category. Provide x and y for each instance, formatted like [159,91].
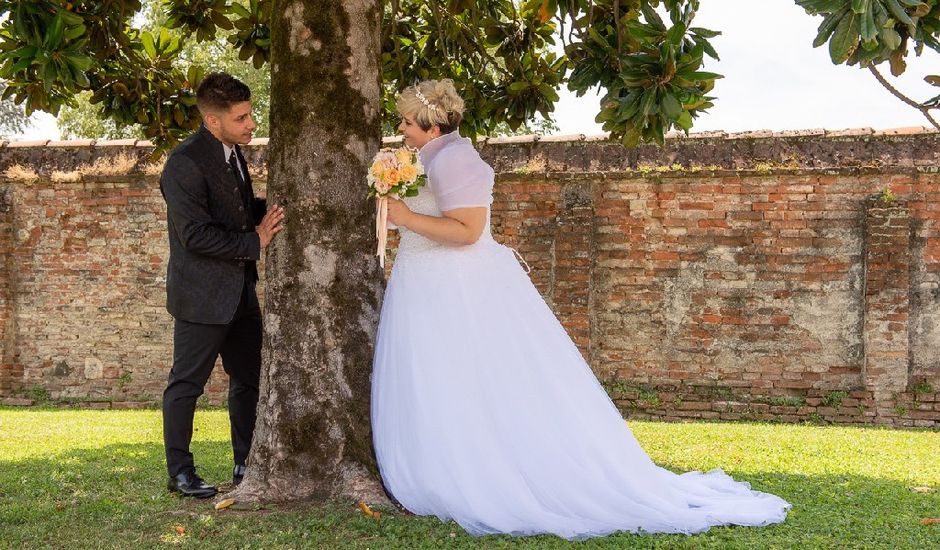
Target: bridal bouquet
[395,172]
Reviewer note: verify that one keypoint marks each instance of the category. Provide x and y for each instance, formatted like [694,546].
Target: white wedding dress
[484,411]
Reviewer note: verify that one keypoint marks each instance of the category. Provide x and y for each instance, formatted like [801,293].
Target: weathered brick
[798,281]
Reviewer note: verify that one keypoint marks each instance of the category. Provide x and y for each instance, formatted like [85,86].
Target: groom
[217,230]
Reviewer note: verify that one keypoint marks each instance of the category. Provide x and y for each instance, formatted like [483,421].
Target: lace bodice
[425,203]
[457,178]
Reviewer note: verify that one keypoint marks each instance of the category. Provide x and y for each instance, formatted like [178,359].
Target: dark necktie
[233,162]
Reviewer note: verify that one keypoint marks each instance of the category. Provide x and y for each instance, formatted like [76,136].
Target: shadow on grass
[115,497]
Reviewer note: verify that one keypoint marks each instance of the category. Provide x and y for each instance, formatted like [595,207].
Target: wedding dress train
[485,413]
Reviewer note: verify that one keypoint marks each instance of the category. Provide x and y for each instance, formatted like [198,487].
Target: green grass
[95,479]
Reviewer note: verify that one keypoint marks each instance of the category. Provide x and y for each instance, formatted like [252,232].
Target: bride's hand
[398,212]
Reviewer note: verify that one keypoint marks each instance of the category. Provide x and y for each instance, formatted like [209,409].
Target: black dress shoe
[189,484]
[238,473]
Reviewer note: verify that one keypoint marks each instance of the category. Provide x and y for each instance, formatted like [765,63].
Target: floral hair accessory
[427,103]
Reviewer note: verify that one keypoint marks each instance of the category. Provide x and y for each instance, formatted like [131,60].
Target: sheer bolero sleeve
[457,175]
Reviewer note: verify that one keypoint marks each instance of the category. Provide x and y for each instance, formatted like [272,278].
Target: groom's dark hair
[219,91]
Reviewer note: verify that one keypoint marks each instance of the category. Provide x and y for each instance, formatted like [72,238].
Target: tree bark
[323,286]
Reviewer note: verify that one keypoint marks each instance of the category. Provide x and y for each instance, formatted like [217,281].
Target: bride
[483,410]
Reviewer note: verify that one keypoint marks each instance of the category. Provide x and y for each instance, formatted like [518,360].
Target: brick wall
[749,276]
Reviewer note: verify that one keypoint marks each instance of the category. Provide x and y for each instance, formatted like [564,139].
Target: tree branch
[924,110]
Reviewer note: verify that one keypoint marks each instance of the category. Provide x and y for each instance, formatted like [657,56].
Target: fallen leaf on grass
[930,521]
[224,503]
[923,489]
[180,530]
[369,511]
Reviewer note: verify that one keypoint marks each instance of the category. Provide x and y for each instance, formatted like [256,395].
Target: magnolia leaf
[899,12]
[844,39]
[684,120]
[224,503]
[146,40]
[366,510]
[671,106]
[897,62]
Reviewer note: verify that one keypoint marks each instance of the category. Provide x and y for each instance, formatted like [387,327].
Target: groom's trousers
[196,347]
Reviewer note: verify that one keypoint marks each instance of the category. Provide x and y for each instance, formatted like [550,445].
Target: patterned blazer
[211,221]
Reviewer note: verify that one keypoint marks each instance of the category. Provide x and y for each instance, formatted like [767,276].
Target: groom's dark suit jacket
[211,219]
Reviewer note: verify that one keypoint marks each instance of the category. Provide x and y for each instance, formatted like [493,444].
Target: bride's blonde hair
[430,103]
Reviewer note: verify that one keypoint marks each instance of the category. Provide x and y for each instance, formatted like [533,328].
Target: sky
[773,79]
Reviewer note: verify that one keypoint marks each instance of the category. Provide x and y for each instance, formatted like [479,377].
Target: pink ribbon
[381,227]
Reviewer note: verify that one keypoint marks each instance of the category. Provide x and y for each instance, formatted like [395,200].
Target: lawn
[95,479]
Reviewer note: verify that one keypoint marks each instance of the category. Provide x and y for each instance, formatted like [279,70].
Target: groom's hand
[270,225]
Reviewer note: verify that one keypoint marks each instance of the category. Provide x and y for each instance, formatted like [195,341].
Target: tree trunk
[323,286]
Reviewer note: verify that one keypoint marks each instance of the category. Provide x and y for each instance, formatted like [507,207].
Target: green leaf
[867,29]
[548,92]
[651,16]
[701,75]
[54,33]
[671,106]
[827,27]
[70,18]
[822,6]
[146,40]
[890,38]
[648,102]
[684,120]
[676,34]
[844,39]
[81,79]
[631,138]
[240,10]
[81,62]
[49,75]
[899,12]
[704,33]
[74,32]
[23,63]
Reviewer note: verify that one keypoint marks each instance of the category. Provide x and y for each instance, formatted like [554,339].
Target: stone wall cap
[528,138]
[905,131]
[531,138]
[28,143]
[710,134]
[751,134]
[117,143]
[72,143]
[562,137]
[808,132]
[850,132]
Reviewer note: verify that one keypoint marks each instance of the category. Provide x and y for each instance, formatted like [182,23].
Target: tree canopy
[646,56]
[868,33]
[498,52]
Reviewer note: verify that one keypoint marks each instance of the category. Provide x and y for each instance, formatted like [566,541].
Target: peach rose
[404,156]
[391,177]
[409,173]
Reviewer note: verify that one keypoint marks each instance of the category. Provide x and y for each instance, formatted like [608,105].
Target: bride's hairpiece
[427,103]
